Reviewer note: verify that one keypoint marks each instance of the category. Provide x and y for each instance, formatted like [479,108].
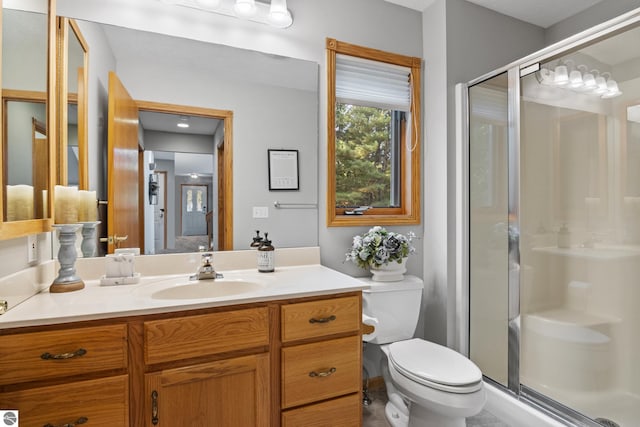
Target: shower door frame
[515,71]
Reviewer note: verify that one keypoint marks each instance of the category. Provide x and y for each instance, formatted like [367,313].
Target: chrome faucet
[206,270]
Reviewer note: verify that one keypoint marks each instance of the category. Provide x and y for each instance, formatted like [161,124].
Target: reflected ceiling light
[601,86]
[561,75]
[612,89]
[245,8]
[193,175]
[183,123]
[274,14]
[580,80]
[589,81]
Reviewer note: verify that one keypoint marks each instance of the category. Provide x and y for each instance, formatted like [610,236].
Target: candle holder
[89,242]
[67,280]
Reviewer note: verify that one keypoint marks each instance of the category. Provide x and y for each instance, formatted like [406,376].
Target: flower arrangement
[380,247]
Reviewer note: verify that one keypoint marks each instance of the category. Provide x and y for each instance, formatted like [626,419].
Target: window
[373,136]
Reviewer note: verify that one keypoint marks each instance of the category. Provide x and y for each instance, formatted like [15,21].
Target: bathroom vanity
[287,354]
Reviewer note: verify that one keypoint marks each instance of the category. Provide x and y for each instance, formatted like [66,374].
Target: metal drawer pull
[326,373]
[81,420]
[323,319]
[154,407]
[48,356]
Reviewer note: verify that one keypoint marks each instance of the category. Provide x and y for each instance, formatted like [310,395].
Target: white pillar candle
[19,202]
[45,204]
[65,205]
[87,206]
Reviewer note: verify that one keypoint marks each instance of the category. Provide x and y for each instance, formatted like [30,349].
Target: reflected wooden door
[123,221]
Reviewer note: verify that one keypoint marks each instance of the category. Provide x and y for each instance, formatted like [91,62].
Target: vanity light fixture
[274,14]
[579,80]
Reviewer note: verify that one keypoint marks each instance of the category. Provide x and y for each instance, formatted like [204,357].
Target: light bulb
[245,8]
[601,86]
[575,79]
[589,81]
[561,76]
[279,16]
[612,90]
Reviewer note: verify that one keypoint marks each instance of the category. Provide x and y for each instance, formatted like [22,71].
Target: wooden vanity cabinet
[290,362]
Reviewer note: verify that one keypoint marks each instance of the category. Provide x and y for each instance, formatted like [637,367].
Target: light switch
[260,212]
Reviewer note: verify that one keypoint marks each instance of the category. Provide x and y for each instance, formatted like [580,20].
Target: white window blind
[372,83]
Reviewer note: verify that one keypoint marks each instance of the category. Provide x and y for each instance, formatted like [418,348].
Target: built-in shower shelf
[570,325]
[574,317]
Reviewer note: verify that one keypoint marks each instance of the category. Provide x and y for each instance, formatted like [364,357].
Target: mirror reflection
[25,148]
[73,124]
[266,101]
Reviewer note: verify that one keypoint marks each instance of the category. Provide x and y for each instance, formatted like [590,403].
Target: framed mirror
[72,73]
[191,80]
[28,131]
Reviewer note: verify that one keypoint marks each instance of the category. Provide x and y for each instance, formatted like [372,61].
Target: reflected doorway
[192,146]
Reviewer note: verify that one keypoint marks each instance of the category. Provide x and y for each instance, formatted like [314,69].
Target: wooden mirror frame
[13,229]
[64,29]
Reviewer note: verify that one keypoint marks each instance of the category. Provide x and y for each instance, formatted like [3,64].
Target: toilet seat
[444,369]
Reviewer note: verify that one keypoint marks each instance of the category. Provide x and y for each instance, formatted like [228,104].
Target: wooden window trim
[409,211]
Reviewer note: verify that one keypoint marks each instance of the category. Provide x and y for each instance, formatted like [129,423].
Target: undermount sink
[207,289]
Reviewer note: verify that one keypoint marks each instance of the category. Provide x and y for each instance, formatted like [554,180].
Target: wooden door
[123,221]
[225,393]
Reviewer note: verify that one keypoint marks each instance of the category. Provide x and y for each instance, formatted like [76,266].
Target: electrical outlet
[260,212]
[32,248]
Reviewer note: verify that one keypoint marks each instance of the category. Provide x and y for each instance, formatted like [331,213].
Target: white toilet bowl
[428,385]
[440,387]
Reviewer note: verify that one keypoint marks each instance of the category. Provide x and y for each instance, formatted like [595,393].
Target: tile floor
[373,415]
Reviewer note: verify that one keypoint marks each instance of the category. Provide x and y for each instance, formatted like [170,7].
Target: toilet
[428,385]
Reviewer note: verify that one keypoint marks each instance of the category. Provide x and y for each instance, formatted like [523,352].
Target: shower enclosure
[553,182]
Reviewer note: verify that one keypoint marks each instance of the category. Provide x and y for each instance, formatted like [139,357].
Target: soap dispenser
[257,241]
[266,256]
[564,237]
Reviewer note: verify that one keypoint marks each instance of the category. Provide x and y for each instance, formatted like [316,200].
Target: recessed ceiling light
[183,125]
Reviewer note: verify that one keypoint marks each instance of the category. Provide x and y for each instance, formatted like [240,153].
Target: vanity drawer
[322,370]
[44,355]
[103,402]
[320,318]
[341,412]
[180,338]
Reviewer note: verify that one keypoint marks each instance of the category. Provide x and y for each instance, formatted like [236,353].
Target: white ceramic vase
[391,272]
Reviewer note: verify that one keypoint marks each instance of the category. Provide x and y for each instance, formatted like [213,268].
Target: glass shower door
[580,247]
[488,227]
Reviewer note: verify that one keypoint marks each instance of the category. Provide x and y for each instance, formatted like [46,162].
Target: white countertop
[98,302]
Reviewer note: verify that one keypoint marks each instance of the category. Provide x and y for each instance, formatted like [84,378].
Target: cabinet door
[225,393]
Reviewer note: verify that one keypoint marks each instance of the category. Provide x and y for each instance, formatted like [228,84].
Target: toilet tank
[392,308]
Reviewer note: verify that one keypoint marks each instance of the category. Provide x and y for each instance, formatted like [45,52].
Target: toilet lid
[435,366]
